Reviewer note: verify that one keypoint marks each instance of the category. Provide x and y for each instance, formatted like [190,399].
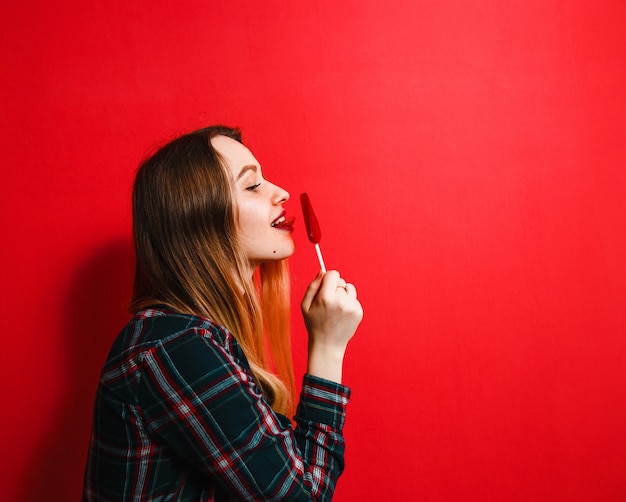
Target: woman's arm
[332,314]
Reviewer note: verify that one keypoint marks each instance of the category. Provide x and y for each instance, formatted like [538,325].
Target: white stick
[319,257]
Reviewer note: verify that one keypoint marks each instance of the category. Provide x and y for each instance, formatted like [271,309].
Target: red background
[466,161]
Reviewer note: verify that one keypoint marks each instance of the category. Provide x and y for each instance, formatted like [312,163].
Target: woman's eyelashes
[253,188]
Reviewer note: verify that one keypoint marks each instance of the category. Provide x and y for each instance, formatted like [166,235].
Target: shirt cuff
[323,401]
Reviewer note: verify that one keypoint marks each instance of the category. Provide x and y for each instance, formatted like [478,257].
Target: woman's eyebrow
[245,169]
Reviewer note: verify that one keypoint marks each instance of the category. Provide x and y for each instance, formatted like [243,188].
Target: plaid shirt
[178,416]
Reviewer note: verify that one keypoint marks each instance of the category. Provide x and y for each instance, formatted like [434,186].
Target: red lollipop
[312,227]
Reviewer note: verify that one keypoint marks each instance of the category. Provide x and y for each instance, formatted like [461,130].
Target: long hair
[187,256]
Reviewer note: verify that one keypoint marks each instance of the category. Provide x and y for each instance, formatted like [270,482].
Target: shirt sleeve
[203,403]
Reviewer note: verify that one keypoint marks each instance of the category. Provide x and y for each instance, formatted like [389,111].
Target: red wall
[466,161]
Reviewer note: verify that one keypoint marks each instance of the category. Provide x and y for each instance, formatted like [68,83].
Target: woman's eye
[253,188]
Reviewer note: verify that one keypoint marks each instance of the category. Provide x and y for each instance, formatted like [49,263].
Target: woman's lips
[284,223]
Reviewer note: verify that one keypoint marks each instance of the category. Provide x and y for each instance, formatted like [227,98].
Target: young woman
[194,397]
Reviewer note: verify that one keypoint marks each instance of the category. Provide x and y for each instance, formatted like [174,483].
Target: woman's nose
[281,195]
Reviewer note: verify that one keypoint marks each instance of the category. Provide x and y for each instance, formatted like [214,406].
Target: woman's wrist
[326,362]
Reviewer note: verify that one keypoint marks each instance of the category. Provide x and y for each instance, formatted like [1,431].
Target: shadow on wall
[95,311]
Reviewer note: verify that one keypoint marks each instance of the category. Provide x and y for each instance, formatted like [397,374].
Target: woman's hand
[332,314]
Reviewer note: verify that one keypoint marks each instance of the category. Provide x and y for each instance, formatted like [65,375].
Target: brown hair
[187,256]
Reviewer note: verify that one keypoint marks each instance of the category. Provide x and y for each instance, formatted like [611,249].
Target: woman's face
[264,228]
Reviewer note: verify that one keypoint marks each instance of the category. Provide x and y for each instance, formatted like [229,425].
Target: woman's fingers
[350,290]
[330,305]
[331,294]
[311,292]
[330,283]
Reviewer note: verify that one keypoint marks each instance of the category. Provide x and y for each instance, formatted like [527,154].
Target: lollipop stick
[318,251]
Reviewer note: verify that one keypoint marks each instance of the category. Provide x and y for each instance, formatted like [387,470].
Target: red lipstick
[284,223]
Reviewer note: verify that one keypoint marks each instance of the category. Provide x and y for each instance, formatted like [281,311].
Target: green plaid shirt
[179,416]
